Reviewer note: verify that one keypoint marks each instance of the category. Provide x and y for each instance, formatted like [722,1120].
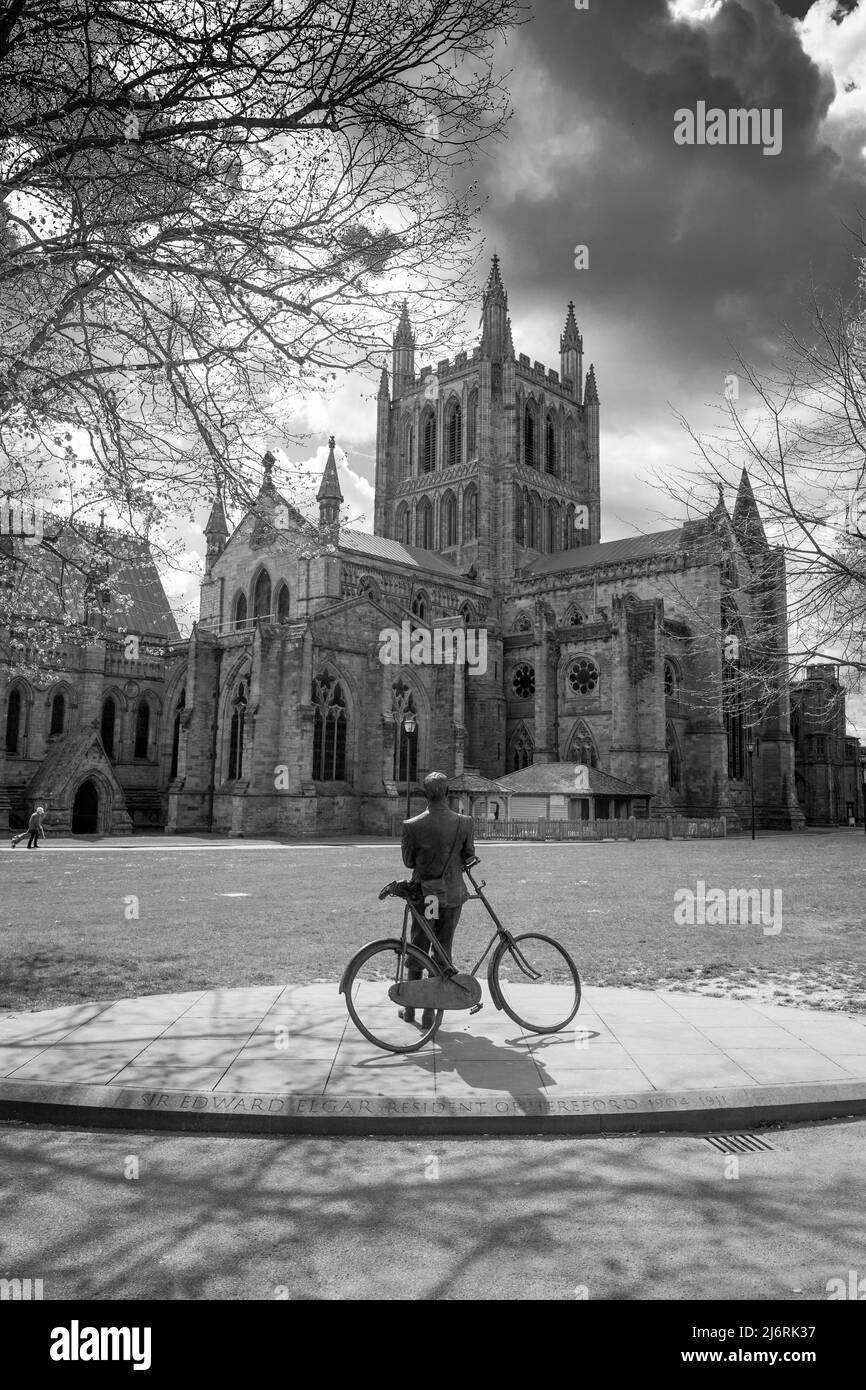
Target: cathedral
[279,714]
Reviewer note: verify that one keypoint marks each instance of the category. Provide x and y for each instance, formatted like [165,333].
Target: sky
[695,253]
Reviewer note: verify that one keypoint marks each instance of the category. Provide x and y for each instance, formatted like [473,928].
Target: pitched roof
[471,781]
[544,779]
[64,759]
[396,553]
[654,545]
[138,600]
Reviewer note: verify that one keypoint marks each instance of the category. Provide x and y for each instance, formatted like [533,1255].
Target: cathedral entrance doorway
[85,810]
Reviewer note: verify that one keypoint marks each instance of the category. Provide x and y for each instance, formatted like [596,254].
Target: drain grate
[739,1143]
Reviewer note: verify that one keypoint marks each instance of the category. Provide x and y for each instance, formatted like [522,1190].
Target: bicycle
[375,984]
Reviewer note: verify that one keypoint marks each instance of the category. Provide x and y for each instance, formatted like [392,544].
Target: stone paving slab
[289,1058]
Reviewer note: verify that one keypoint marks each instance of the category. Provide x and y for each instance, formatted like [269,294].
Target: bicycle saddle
[400,888]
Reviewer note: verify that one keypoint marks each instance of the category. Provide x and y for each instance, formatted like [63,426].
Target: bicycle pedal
[476,1010]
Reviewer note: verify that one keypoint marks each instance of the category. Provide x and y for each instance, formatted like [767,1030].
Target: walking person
[35,828]
[435,846]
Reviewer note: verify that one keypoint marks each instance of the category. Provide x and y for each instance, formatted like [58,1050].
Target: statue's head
[435,786]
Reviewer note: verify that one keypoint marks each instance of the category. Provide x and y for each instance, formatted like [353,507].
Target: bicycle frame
[436,949]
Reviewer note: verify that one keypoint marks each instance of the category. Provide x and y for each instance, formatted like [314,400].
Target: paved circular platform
[287,1058]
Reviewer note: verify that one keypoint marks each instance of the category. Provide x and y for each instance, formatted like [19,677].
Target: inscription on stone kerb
[229,1104]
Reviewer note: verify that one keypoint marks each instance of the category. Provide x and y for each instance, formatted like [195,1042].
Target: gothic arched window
[533,521]
[262,596]
[674,759]
[581,748]
[570,450]
[472,424]
[733,701]
[405,744]
[470,514]
[58,715]
[420,605]
[283,603]
[672,681]
[550,460]
[142,729]
[519,516]
[428,442]
[175,735]
[13,721]
[408,450]
[403,524]
[522,750]
[522,623]
[236,733]
[330,727]
[453,433]
[448,520]
[424,524]
[552,526]
[107,726]
[240,613]
[530,441]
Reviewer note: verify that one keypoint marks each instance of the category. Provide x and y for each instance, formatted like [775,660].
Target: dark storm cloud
[691,249]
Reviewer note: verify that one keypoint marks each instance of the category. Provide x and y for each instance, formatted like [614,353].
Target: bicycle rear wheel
[537,982]
[367,981]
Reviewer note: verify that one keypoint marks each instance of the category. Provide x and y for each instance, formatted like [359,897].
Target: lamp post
[751,749]
[409,726]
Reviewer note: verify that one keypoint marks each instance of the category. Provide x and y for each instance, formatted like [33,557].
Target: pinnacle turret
[404,335]
[591,387]
[571,334]
[494,286]
[216,524]
[494,316]
[403,355]
[747,519]
[329,487]
[216,531]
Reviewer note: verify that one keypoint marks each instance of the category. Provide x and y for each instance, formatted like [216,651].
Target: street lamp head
[751,747]
[409,723]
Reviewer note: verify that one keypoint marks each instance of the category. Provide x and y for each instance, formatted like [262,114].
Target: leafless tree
[209,210]
[799,431]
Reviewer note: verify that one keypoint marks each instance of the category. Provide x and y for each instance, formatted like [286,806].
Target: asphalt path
[118,1215]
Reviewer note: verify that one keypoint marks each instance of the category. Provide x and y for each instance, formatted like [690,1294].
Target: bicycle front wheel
[368,979]
[537,982]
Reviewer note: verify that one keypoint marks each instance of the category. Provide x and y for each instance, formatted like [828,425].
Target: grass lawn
[239,913]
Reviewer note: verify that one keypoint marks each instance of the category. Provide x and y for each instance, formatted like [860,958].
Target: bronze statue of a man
[436,845]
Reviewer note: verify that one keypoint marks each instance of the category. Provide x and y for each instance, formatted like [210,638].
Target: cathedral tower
[489,459]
